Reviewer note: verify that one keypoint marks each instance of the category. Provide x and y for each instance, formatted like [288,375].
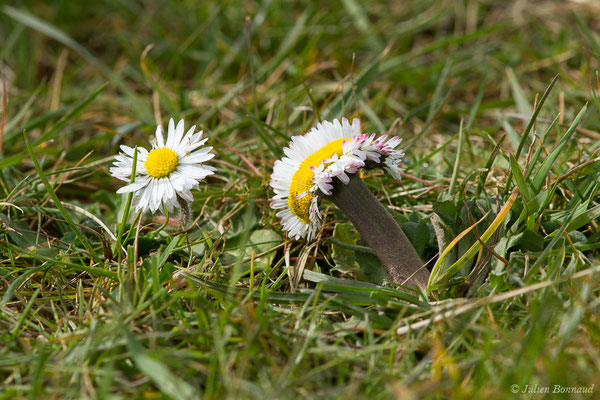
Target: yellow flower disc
[302,179]
[161,162]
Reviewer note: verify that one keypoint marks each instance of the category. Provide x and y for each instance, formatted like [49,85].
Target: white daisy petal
[196,144]
[190,133]
[152,200]
[196,158]
[179,132]
[127,150]
[194,172]
[171,134]
[329,150]
[143,200]
[160,142]
[133,187]
[187,195]
[170,170]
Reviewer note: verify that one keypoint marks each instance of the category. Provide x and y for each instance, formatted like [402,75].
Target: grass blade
[540,175]
[74,112]
[45,28]
[58,203]
[518,175]
[534,117]
[167,382]
[459,152]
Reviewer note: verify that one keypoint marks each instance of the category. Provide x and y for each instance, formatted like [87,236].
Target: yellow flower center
[161,162]
[302,179]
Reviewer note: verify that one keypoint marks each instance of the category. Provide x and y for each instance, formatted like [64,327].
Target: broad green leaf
[258,252]
[527,241]
[418,234]
[344,257]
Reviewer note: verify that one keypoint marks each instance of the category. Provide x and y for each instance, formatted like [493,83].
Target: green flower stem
[126,213]
[381,232]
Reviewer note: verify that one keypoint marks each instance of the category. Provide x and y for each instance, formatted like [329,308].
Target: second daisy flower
[330,150]
[324,162]
[168,171]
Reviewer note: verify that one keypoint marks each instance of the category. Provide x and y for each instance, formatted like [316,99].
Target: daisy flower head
[315,161]
[169,170]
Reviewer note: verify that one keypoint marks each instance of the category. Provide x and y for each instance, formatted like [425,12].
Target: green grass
[231,308]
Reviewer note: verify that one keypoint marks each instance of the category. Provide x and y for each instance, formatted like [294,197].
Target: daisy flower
[168,171]
[331,150]
[324,163]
